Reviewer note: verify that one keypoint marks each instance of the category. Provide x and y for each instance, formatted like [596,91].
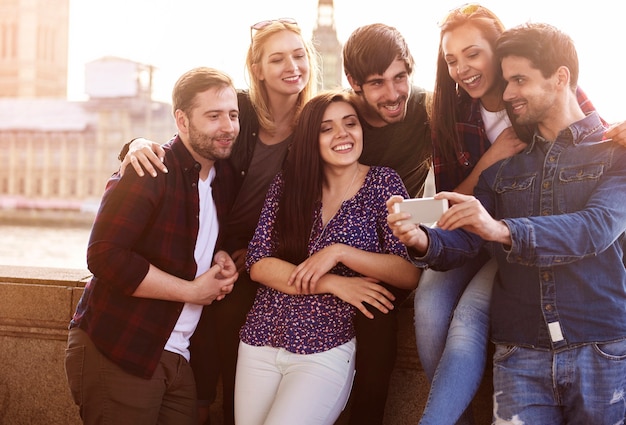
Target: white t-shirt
[203,254]
[495,122]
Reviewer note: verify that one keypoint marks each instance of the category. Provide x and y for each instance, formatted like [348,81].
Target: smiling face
[385,96]
[341,135]
[531,95]
[284,66]
[471,64]
[212,125]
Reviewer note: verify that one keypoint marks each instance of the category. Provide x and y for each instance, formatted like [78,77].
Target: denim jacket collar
[588,129]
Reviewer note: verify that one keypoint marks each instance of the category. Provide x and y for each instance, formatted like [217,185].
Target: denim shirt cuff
[515,253]
[432,252]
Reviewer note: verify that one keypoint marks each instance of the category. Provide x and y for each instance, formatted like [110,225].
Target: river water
[44,246]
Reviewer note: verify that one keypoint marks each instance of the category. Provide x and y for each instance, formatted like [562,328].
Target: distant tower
[327,44]
[34,48]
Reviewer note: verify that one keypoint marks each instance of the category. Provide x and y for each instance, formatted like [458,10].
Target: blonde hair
[258,92]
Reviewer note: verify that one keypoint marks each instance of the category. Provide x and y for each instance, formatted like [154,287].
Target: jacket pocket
[515,195]
[576,184]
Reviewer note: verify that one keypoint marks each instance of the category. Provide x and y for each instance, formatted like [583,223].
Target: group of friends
[265,249]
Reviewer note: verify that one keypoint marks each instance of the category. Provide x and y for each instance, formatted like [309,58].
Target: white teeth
[292,78]
[393,107]
[343,147]
[471,80]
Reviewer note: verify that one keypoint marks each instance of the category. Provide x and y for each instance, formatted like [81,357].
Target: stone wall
[36,306]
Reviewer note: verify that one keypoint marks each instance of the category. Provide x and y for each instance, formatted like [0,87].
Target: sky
[177,35]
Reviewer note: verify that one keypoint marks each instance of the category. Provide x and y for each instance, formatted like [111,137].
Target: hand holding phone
[422,210]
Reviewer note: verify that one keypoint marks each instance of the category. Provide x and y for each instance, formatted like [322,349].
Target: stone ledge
[37,306]
[44,276]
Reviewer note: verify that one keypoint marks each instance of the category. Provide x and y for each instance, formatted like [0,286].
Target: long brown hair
[303,178]
[447,96]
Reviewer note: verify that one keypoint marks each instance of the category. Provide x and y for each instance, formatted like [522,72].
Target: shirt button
[194,185]
[546,185]
[549,307]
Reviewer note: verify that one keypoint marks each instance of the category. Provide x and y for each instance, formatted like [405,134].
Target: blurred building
[33,48]
[57,154]
[328,45]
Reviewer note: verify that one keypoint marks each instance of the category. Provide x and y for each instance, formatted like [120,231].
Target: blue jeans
[451,330]
[576,386]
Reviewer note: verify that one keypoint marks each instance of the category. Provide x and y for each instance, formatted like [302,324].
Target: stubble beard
[205,145]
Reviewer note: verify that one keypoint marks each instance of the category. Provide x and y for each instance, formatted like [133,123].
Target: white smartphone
[423,210]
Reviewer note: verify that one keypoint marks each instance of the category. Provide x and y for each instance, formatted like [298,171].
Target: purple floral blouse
[307,324]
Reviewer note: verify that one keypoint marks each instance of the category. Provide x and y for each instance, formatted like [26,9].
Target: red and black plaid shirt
[143,221]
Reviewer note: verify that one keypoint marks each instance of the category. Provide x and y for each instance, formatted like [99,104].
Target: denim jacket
[562,282]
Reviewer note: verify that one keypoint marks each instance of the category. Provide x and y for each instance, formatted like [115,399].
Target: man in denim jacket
[553,217]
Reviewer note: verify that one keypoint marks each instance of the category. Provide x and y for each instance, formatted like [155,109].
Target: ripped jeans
[576,386]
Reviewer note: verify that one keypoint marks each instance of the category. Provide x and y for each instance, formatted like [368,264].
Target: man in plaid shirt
[151,252]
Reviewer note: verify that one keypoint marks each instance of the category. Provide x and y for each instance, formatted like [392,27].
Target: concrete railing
[36,306]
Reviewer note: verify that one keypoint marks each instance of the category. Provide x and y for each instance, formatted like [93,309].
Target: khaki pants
[106,394]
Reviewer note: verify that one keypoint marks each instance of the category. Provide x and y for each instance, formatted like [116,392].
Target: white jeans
[276,387]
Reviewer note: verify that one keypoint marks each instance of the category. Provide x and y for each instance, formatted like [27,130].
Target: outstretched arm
[466,212]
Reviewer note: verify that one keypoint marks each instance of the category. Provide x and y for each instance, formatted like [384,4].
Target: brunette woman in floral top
[319,251]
